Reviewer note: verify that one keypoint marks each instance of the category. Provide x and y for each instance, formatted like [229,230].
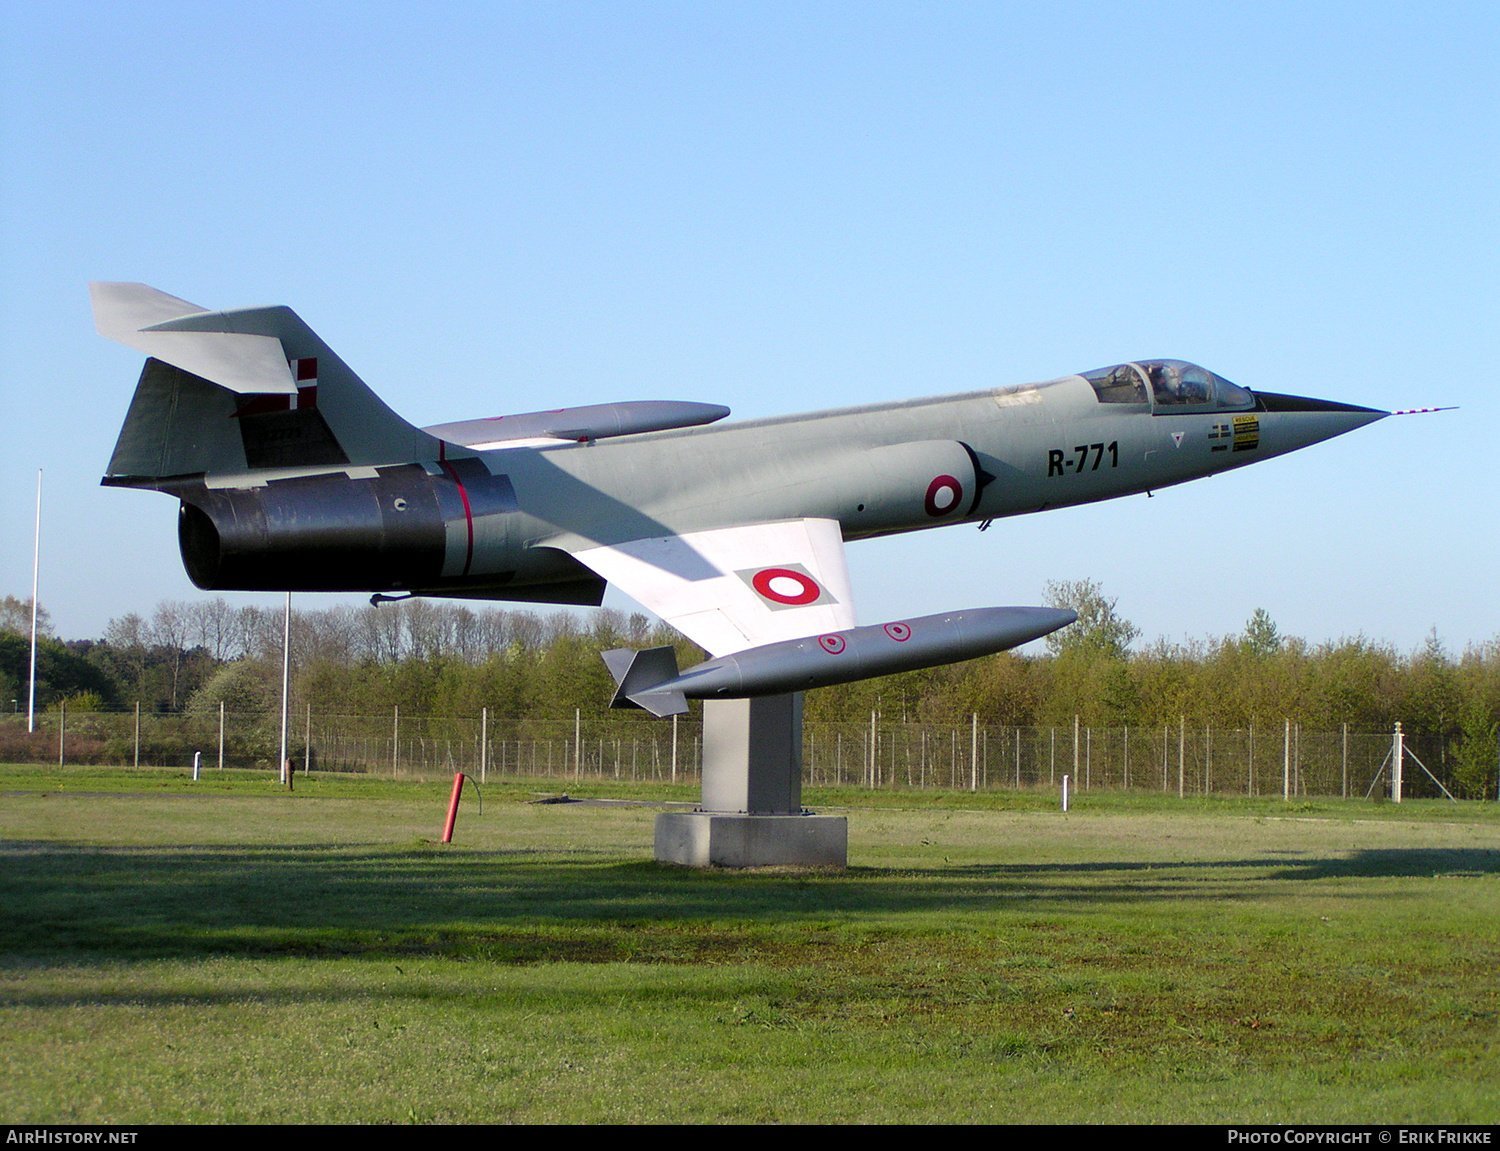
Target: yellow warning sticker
[1246,433]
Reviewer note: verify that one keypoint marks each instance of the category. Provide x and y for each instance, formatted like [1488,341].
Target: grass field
[222,951]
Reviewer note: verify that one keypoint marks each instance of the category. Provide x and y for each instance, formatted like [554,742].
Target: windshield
[1173,386]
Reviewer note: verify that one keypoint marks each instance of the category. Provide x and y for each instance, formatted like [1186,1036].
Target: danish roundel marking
[898,632]
[832,644]
[782,585]
[943,495]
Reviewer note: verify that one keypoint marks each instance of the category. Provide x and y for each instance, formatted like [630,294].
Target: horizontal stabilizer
[638,673]
[241,391]
[153,322]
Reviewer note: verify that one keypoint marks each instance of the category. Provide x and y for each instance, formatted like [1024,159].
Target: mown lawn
[223,951]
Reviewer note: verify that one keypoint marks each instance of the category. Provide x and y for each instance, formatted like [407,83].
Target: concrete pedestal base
[717,839]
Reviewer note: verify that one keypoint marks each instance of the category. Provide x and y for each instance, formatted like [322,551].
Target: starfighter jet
[292,475]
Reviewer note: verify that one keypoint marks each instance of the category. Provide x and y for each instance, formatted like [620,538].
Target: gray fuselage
[1025,449]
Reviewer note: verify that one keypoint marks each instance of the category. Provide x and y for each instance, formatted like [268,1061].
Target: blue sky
[779,207]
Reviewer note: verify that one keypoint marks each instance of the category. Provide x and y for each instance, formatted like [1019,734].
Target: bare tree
[466,635]
[525,629]
[168,632]
[637,629]
[15,617]
[558,625]
[215,629]
[259,632]
[332,634]
[384,632]
[427,626]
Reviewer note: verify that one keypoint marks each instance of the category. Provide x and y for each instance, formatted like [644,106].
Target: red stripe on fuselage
[468,515]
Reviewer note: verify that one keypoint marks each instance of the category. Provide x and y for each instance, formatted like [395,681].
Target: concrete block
[752,755]
[715,839]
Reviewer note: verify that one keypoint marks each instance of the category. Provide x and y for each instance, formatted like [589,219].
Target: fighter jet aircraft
[293,475]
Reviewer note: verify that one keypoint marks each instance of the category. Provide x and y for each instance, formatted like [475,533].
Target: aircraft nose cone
[1275,402]
[1291,422]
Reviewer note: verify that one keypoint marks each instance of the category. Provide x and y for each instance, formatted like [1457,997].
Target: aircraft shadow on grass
[527,906]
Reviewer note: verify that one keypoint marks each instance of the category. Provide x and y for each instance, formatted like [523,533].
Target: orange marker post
[458,790]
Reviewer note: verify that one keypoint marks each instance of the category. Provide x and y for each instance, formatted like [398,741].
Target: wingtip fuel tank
[649,679]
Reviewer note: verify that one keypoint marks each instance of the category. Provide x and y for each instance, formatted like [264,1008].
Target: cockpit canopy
[1171,385]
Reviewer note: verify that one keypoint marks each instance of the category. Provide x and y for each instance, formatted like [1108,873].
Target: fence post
[1398,753]
[973,751]
[1286,763]
[1075,747]
[221,735]
[1182,757]
[1208,744]
[1345,790]
[1250,771]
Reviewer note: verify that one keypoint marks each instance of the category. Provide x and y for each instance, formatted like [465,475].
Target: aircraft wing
[592,422]
[729,589]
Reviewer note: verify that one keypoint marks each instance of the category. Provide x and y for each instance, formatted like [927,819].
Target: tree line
[433,657]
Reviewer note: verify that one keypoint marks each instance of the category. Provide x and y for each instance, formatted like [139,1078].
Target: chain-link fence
[1185,760]
[1278,759]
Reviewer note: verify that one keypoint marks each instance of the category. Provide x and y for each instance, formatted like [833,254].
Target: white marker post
[286,677]
[1065,793]
[197,762]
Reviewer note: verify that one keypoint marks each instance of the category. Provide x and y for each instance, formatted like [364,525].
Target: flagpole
[36,557]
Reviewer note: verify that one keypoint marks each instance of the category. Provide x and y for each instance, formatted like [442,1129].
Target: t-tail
[238,391]
[293,474]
